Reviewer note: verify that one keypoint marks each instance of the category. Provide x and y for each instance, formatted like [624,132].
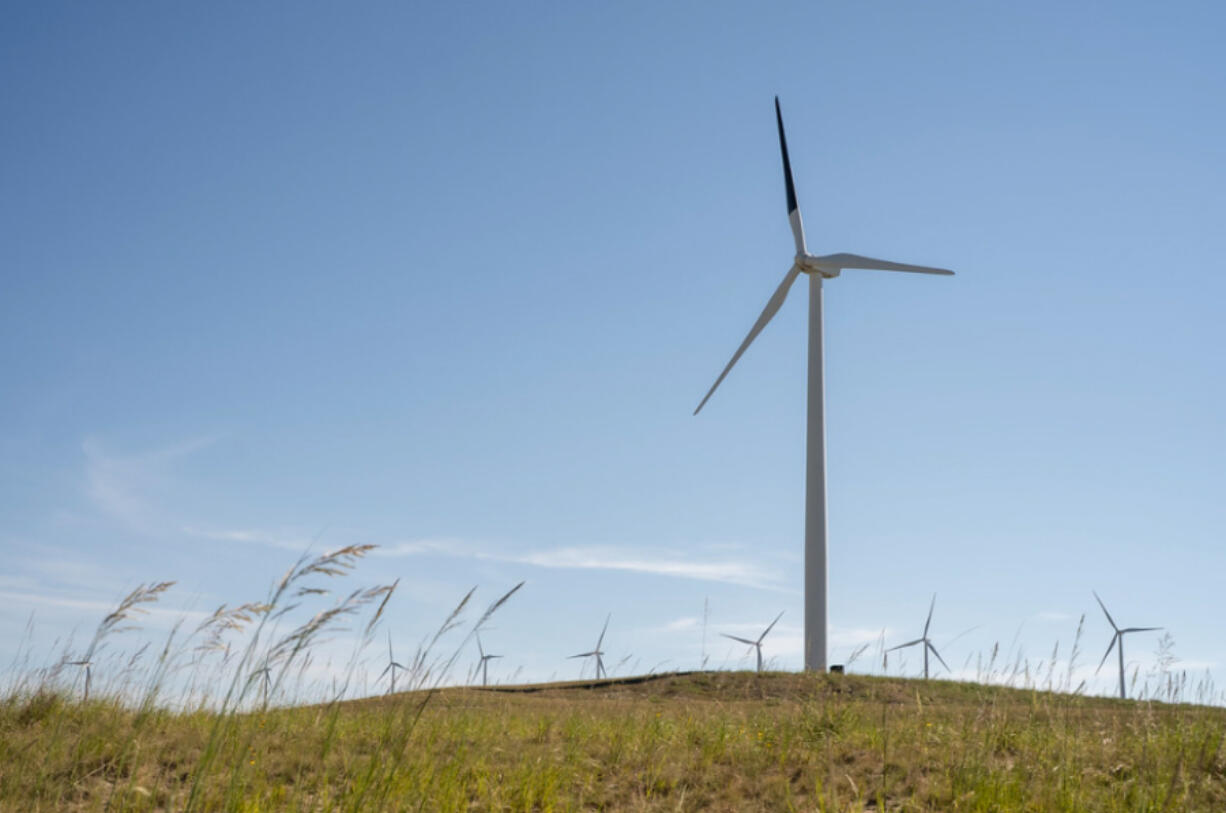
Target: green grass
[192,725]
[698,741]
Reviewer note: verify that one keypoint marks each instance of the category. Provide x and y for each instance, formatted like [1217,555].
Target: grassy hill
[711,740]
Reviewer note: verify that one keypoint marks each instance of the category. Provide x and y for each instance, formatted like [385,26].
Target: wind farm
[412,341]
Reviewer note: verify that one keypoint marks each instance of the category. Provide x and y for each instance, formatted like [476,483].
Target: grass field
[214,720]
[714,740]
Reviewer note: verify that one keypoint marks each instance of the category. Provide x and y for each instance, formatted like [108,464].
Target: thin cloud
[281,542]
[122,486]
[727,571]
[164,615]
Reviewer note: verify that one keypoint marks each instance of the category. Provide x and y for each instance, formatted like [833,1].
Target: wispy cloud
[123,486]
[298,544]
[600,558]
[654,562]
[164,616]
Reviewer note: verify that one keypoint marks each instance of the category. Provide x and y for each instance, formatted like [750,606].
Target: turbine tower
[757,645]
[817,268]
[1118,637]
[597,653]
[925,641]
[485,662]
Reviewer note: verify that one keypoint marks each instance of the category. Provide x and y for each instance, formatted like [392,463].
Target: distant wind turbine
[597,653]
[392,664]
[757,645]
[485,660]
[87,664]
[818,269]
[1117,638]
[925,641]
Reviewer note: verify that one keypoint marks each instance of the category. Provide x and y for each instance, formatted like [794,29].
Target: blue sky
[450,280]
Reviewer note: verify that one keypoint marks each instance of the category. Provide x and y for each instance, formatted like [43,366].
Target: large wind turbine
[817,268]
[757,645]
[1117,638]
[925,641]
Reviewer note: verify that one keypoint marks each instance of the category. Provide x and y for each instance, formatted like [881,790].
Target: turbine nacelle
[808,264]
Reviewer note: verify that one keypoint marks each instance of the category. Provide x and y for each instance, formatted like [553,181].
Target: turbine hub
[810,265]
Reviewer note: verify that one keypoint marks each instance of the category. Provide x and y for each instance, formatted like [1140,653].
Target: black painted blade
[787,165]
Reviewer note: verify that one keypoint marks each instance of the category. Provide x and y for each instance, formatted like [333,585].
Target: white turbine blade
[939,658]
[479,648]
[837,262]
[1114,638]
[384,672]
[1139,629]
[798,226]
[745,641]
[907,644]
[772,626]
[600,640]
[931,607]
[581,655]
[1104,606]
[768,313]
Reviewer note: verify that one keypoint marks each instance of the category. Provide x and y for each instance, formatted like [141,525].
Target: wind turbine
[485,659]
[392,664]
[925,641]
[1118,637]
[597,653]
[817,268]
[757,645]
[87,664]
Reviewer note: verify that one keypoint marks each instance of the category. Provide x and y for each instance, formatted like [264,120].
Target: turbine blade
[837,262]
[939,658]
[1104,606]
[384,672]
[772,307]
[1114,638]
[907,644]
[1139,629]
[479,648]
[931,607]
[581,655]
[600,640]
[772,626]
[745,641]
[798,227]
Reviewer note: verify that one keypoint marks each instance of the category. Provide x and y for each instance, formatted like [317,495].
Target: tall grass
[231,713]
